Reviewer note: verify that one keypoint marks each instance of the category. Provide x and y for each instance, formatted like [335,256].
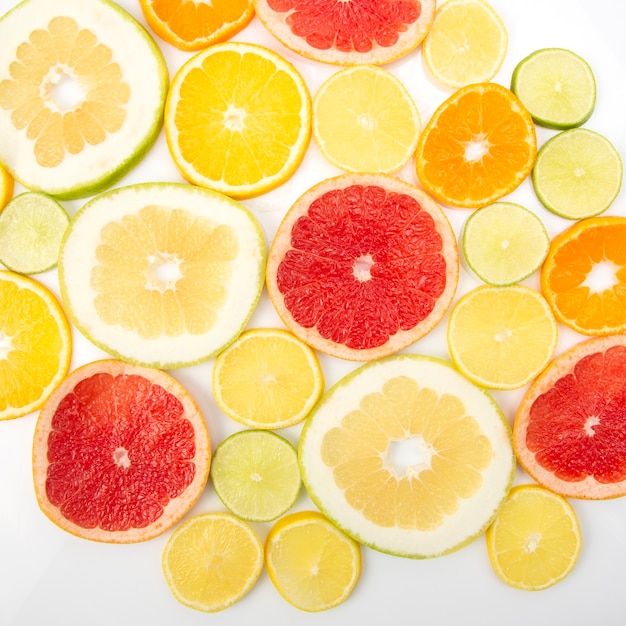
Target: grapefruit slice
[570,428]
[120,453]
[348,32]
[362,266]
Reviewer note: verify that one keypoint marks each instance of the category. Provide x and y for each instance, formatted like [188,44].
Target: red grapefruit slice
[362,266]
[570,429]
[121,452]
[347,32]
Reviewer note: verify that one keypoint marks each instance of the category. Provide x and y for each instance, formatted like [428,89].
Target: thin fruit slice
[211,561]
[238,119]
[191,26]
[504,243]
[348,33]
[311,563]
[162,274]
[35,344]
[584,276]
[365,120]
[570,430]
[362,266]
[556,86]
[578,174]
[502,337]
[408,456]
[82,90]
[478,146]
[267,378]
[31,228]
[6,186]
[255,474]
[535,540]
[466,44]
[120,453]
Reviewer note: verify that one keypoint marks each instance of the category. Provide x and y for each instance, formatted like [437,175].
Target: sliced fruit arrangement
[121,453]
[407,456]
[162,274]
[82,91]
[7,186]
[362,266]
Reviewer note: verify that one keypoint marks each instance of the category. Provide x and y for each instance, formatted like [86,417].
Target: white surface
[49,576]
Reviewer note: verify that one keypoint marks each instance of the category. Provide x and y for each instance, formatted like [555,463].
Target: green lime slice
[32,226]
[577,174]
[556,86]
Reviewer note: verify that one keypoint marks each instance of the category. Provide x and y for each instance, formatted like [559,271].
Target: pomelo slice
[362,266]
[407,456]
[82,91]
[162,274]
[120,453]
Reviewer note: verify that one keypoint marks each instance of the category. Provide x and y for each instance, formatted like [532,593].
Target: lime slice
[556,86]
[504,243]
[255,474]
[577,174]
[32,226]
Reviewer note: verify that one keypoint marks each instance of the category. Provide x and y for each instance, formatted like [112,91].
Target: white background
[46,575]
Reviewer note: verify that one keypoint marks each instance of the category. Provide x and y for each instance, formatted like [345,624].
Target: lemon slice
[6,186]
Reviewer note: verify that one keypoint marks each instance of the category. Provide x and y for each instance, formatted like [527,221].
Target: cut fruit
[535,540]
[570,431]
[584,275]
[578,174]
[192,26]
[478,146]
[120,453]
[82,97]
[267,378]
[504,243]
[32,226]
[556,86]
[362,266]
[162,274]
[238,119]
[408,456]
[466,44]
[365,120]
[211,561]
[35,345]
[255,474]
[502,337]
[348,33]
[311,563]
[6,186]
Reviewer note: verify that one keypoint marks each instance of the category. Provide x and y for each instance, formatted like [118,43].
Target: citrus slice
[556,86]
[569,428]
[6,186]
[408,456]
[584,275]
[501,337]
[362,266]
[578,174]
[365,120]
[211,561]
[357,32]
[238,119]
[31,228]
[120,453]
[35,344]
[535,540]
[504,243]
[478,146]
[82,90]
[255,474]
[311,563]
[162,274]
[191,26]
[267,378]
[466,44]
